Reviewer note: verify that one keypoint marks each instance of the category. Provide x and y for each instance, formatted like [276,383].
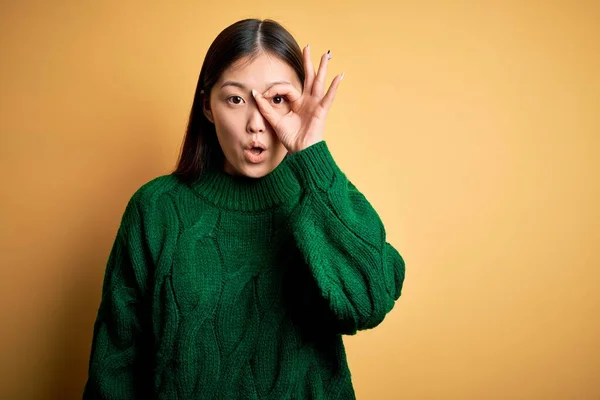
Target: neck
[242,193]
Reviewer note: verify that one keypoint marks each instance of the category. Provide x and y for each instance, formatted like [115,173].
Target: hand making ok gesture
[304,124]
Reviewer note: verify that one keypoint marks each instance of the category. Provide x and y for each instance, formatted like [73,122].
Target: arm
[358,275]
[117,362]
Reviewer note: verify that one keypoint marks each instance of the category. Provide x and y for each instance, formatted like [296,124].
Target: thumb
[265,108]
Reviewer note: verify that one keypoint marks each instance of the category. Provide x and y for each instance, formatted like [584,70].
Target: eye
[237,98]
[282,98]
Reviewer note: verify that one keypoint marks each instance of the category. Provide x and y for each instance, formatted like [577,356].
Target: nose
[256,122]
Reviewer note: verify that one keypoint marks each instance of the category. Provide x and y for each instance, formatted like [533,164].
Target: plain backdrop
[472,127]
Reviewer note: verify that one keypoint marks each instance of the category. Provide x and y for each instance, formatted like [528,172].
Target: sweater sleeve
[117,365]
[342,240]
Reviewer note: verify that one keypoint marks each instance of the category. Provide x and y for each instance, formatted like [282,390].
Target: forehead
[260,71]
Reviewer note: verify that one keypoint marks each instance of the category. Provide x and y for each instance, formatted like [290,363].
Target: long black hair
[246,38]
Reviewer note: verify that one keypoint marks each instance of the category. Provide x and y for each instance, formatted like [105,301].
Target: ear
[206,107]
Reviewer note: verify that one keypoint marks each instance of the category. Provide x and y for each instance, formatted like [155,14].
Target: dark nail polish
[329,54]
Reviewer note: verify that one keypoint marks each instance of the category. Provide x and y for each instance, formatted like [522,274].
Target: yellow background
[472,127]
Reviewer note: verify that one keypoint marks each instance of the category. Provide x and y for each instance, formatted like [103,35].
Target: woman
[236,276]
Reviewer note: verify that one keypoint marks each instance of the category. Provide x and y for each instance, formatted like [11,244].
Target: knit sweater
[241,288]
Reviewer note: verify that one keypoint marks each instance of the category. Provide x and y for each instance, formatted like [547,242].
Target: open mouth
[254,152]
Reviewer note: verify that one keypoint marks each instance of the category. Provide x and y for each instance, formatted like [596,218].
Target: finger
[318,87]
[265,109]
[309,71]
[283,89]
[330,96]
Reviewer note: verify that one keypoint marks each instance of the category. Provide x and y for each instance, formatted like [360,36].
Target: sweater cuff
[314,166]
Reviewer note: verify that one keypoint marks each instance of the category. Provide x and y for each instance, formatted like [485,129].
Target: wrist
[314,165]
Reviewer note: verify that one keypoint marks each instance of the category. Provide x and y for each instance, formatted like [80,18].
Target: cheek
[279,149]
[227,140]
[282,109]
[228,127]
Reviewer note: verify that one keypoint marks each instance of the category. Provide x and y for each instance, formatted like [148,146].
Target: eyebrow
[242,86]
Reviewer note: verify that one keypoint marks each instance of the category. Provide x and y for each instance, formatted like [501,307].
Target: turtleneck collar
[243,193]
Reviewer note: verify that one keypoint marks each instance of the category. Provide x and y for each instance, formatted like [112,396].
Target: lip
[255,143]
[252,157]
[255,158]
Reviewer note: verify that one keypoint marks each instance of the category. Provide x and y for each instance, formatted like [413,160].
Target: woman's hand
[303,126]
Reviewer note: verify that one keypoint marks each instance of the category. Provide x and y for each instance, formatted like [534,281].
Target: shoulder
[155,194]
[156,188]
[153,205]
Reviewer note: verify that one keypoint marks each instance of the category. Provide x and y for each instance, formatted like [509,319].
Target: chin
[253,170]
[259,170]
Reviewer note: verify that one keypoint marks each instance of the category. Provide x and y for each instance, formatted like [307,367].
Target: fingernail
[329,54]
[342,77]
[253,92]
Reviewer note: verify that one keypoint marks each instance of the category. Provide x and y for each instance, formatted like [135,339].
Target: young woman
[235,276]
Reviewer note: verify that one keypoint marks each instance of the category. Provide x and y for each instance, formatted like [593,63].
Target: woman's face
[239,123]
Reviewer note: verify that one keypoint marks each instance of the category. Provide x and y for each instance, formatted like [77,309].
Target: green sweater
[240,288]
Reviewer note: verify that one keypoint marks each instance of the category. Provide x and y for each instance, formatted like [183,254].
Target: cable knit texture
[241,288]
